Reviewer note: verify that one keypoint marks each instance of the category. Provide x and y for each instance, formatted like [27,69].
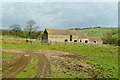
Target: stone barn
[61,35]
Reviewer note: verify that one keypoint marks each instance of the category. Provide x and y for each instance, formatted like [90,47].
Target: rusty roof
[61,32]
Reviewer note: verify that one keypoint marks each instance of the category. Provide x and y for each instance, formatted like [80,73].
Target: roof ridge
[61,31]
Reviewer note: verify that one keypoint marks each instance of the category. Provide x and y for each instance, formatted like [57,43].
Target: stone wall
[62,38]
[96,42]
[66,38]
[84,40]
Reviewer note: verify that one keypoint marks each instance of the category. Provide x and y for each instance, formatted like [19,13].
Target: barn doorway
[70,37]
[86,41]
[66,40]
[80,40]
[75,40]
[94,41]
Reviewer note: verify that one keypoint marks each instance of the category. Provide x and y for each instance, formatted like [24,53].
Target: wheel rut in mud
[46,59]
[15,68]
[43,67]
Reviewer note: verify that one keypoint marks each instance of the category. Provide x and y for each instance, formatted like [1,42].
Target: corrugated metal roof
[61,32]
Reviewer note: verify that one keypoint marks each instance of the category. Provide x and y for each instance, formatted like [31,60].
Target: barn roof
[61,32]
[83,36]
[91,38]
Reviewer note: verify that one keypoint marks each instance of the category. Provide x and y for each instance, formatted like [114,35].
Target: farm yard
[59,60]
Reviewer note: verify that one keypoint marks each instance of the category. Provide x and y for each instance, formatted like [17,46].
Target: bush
[109,39]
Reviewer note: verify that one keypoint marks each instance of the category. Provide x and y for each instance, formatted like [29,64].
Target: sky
[60,15]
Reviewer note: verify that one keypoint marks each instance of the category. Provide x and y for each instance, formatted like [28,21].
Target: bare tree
[30,27]
[30,24]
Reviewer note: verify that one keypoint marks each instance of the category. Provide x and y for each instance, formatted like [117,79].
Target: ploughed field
[50,64]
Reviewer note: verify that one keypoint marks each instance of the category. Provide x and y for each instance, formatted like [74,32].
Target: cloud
[61,15]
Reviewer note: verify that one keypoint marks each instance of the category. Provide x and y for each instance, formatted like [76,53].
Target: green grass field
[102,56]
[97,31]
[10,37]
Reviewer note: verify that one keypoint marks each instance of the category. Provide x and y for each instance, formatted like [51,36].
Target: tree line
[30,31]
[84,28]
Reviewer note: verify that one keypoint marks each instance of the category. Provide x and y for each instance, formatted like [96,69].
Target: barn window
[86,41]
[70,37]
[66,40]
[75,40]
[80,41]
[94,41]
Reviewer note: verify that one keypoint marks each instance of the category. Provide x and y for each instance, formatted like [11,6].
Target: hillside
[12,37]
[96,31]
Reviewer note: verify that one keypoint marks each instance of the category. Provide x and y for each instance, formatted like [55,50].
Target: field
[58,60]
[9,37]
[97,31]
[104,59]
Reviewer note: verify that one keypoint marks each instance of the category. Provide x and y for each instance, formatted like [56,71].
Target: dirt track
[16,67]
[47,57]
[43,67]
[20,64]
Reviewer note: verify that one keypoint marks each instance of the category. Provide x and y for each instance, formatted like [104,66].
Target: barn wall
[44,37]
[100,42]
[84,39]
[61,38]
[97,42]
[58,36]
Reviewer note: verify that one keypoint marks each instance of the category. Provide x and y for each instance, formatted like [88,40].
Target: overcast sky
[60,15]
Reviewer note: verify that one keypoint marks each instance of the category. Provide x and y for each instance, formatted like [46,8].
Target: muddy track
[15,68]
[43,67]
